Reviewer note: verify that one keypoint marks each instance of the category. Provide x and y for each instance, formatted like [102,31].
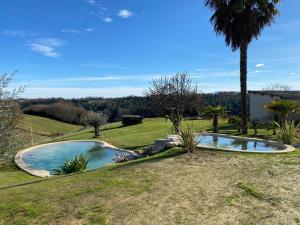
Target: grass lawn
[208,187]
[43,128]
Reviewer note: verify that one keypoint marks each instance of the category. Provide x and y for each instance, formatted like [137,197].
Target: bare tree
[95,120]
[173,95]
[10,136]
[277,87]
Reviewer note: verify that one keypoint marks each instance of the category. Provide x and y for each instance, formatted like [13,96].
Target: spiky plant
[78,164]
[188,138]
[287,133]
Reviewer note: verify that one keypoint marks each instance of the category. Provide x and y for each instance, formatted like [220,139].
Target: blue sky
[109,48]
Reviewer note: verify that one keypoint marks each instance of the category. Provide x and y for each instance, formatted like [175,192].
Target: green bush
[287,133]
[236,120]
[188,138]
[78,164]
[129,120]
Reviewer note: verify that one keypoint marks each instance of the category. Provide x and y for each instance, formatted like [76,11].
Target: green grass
[45,126]
[167,188]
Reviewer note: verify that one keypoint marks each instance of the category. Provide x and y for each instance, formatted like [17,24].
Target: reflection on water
[51,157]
[236,144]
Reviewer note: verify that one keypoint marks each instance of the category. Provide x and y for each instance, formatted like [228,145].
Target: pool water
[236,144]
[53,156]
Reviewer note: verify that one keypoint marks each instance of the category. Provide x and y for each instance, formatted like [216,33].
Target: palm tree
[240,21]
[214,113]
[282,109]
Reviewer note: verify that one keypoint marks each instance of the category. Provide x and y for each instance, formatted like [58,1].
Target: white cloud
[293,74]
[74,31]
[259,65]
[298,66]
[47,92]
[92,2]
[107,19]
[106,78]
[53,42]
[15,33]
[89,29]
[44,50]
[46,46]
[125,13]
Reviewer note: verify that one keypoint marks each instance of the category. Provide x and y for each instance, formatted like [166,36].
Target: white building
[258,100]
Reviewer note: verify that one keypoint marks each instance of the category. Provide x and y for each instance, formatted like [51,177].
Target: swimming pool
[242,144]
[44,159]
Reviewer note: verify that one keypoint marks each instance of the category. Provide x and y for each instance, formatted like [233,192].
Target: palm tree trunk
[243,83]
[215,124]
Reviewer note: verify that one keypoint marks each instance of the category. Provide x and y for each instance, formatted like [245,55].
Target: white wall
[259,112]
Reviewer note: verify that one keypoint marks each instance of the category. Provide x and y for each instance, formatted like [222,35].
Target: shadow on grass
[112,128]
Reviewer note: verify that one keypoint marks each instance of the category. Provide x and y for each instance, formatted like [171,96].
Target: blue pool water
[232,143]
[51,157]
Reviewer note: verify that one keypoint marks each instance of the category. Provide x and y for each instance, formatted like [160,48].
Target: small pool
[52,156]
[225,142]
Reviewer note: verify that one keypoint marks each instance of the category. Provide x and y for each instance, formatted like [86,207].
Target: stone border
[45,173]
[286,148]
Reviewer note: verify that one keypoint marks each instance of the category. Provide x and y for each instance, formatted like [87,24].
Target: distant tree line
[72,110]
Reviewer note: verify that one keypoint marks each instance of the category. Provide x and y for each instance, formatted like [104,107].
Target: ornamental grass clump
[188,138]
[78,164]
[287,133]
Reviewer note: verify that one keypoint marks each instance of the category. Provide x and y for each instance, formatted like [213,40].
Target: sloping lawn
[45,126]
[208,187]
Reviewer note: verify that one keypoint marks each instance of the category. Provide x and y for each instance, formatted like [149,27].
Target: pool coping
[288,148]
[18,159]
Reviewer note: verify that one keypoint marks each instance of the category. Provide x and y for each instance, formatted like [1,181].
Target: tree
[95,120]
[214,113]
[11,138]
[172,96]
[240,22]
[282,109]
[277,87]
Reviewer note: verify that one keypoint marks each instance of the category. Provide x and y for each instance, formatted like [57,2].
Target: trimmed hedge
[129,120]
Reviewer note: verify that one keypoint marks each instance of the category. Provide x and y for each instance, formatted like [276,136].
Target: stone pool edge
[45,173]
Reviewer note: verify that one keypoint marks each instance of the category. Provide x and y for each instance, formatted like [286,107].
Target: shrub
[271,125]
[129,120]
[188,138]
[255,124]
[61,111]
[78,164]
[236,120]
[287,133]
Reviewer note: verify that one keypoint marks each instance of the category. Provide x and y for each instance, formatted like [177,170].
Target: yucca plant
[287,132]
[78,164]
[188,138]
